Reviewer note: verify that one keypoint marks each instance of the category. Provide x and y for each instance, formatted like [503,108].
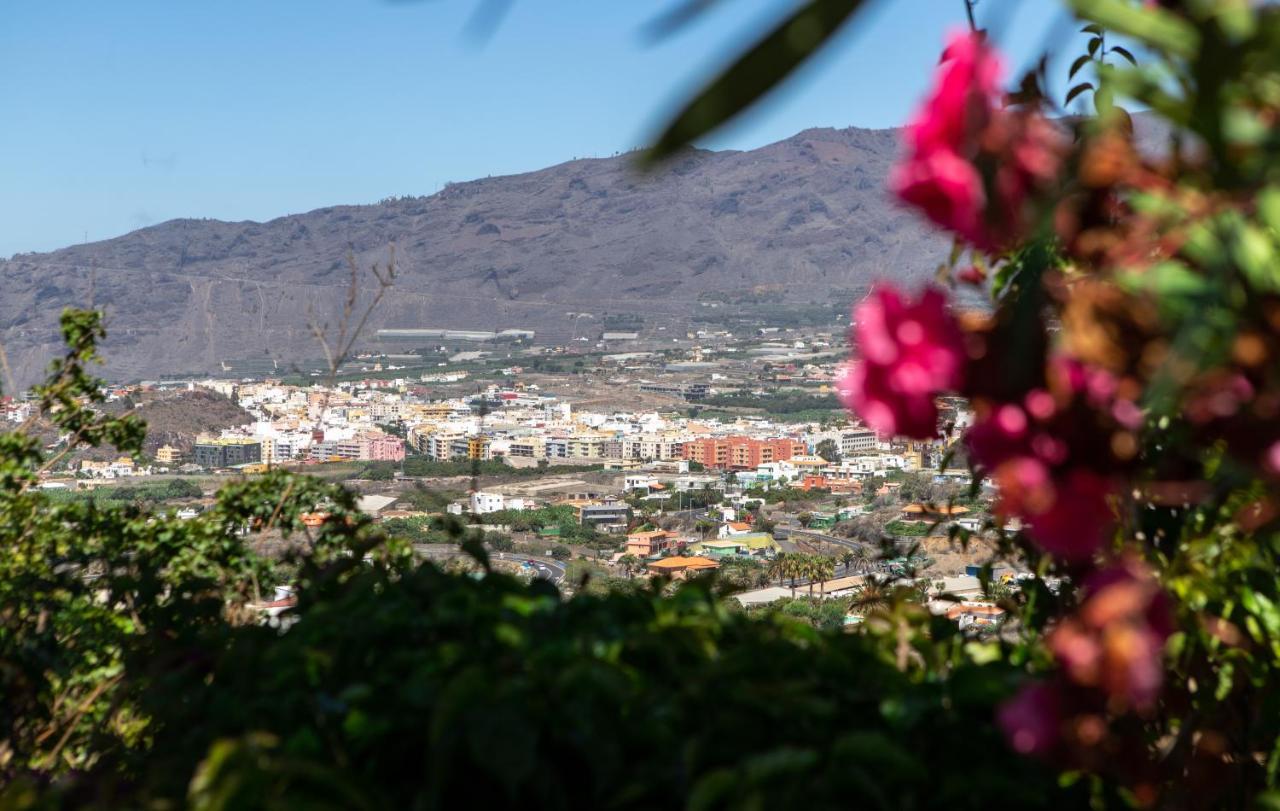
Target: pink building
[372,446]
[385,447]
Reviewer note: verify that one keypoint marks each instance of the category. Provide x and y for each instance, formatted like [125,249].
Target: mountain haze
[801,220]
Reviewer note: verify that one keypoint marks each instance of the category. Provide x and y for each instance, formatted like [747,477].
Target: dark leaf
[1117,49]
[1094,45]
[1092,28]
[1080,62]
[676,18]
[1077,90]
[755,73]
[1028,91]
[1159,28]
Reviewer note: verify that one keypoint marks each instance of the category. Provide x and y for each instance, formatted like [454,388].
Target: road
[810,535]
[545,568]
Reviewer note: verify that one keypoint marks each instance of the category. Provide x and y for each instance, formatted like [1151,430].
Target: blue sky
[122,114]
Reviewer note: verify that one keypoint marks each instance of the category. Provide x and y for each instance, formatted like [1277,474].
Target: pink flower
[1052,456]
[1076,522]
[1115,642]
[966,92]
[946,188]
[962,135]
[1032,720]
[910,352]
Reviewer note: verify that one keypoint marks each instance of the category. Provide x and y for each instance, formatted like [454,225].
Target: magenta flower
[1115,642]
[938,176]
[1052,456]
[966,93]
[1076,522]
[962,135]
[1032,720]
[910,353]
[946,188]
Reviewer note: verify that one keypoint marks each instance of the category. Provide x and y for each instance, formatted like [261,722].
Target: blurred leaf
[1154,26]
[1104,101]
[755,73]
[1244,127]
[1077,90]
[673,19]
[1123,51]
[1269,208]
[1080,62]
[1255,253]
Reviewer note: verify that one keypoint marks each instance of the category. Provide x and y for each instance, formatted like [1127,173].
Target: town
[598,468]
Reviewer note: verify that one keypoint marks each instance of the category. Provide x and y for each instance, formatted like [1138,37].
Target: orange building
[645,544]
[682,567]
[812,481]
[741,452]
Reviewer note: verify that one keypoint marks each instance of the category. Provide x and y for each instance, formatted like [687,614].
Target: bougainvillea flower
[1032,720]
[962,134]
[1115,641]
[910,353]
[1076,524]
[946,188]
[966,92]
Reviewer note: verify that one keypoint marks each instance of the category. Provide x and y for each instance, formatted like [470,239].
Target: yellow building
[168,455]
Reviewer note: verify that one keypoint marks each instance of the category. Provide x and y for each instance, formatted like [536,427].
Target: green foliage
[829,450]
[427,499]
[136,672]
[910,529]
[777,495]
[778,404]
[821,613]
[150,492]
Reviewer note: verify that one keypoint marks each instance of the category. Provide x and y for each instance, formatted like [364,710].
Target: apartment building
[586,446]
[651,447]
[528,447]
[858,442]
[741,452]
[368,446]
[168,455]
[217,453]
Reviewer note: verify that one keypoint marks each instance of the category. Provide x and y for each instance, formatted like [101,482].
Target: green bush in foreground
[137,675]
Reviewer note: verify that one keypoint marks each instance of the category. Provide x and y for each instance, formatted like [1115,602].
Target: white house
[482,503]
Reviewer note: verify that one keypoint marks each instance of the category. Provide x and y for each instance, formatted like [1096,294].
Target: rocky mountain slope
[801,220]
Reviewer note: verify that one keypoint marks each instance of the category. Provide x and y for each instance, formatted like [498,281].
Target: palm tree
[862,555]
[778,567]
[872,595]
[824,569]
[787,565]
[846,559]
[812,568]
[629,564]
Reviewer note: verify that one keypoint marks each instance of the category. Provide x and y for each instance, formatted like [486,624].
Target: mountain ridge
[799,219]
